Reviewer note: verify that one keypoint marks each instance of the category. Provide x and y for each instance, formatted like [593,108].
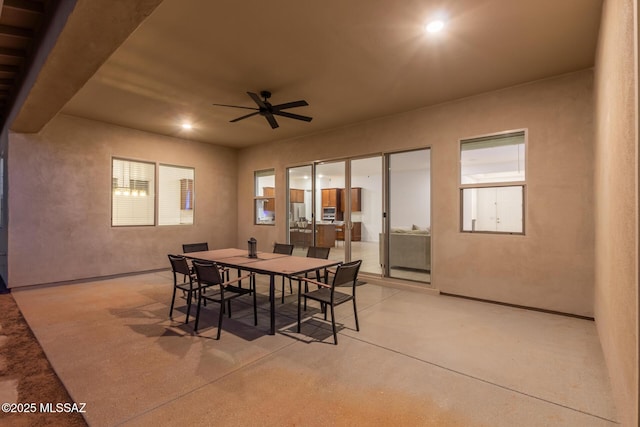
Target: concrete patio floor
[419,359]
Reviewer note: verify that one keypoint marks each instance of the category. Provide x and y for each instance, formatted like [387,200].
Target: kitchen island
[303,236]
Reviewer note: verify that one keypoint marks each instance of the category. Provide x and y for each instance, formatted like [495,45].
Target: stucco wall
[616,284]
[551,267]
[60,201]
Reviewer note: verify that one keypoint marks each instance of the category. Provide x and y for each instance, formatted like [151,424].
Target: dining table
[266,263]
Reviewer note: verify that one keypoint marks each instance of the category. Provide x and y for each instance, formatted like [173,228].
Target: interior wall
[551,267]
[616,283]
[60,201]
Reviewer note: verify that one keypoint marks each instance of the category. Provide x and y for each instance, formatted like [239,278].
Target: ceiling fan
[268,111]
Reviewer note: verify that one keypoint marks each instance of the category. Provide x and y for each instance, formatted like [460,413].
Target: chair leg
[195,327]
[229,305]
[186,320]
[173,300]
[220,317]
[355,314]
[333,324]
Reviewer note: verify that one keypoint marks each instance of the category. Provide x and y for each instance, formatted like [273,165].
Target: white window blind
[176,195]
[496,158]
[133,193]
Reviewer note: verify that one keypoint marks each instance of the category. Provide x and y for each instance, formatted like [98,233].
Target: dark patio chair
[179,265]
[286,249]
[329,297]
[195,247]
[313,252]
[200,247]
[219,291]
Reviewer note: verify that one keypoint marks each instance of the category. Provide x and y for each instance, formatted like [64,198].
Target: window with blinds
[176,195]
[492,183]
[132,193]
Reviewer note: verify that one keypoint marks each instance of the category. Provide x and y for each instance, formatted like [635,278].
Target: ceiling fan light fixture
[268,110]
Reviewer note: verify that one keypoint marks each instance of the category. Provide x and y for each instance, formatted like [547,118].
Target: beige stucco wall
[552,266]
[616,284]
[60,201]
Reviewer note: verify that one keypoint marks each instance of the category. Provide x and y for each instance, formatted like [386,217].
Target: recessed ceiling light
[187,126]
[434,26]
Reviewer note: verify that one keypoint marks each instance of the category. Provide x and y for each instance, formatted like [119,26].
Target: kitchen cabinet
[296,196]
[356,232]
[301,237]
[331,197]
[356,200]
[270,202]
[325,235]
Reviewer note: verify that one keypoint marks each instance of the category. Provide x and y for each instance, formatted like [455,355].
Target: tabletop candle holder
[253,251]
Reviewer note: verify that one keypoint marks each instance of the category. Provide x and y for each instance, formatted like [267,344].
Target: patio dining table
[267,263]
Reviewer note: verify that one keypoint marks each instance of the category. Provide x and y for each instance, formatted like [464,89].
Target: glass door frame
[386,230]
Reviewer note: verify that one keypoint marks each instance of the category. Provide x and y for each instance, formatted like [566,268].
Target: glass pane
[175,195]
[495,209]
[409,233]
[265,180]
[329,215]
[299,219]
[265,188]
[366,213]
[133,192]
[499,158]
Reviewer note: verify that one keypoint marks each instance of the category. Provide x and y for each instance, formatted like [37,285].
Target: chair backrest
[207,272]
[282,248]
[318,252]
[347,273]
[195,247]
[179,265]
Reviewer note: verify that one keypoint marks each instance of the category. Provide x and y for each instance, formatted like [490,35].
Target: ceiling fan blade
[257,100]
[271,120]
[244,117]
[301,103]
[293,116]
[235,106]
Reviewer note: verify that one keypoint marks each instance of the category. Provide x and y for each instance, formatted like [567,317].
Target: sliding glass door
[408,237]
[363,213]
[360,212]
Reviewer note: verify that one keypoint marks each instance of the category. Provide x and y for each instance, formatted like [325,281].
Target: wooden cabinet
[296,196]
[356,200]
[331,197]
[270,202]
[356,232]
[301,237]
[325,235]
